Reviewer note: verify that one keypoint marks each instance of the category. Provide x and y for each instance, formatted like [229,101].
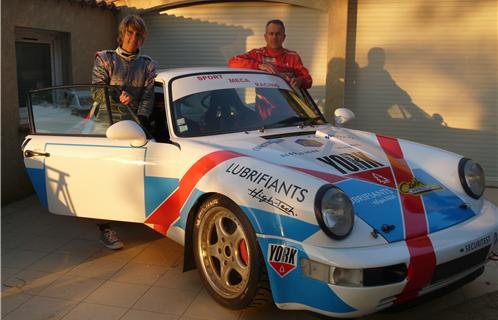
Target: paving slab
[53,267]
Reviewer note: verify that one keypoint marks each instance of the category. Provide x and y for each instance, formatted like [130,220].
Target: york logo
[350,162]
[282,259]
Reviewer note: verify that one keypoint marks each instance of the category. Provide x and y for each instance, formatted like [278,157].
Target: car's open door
[77,170]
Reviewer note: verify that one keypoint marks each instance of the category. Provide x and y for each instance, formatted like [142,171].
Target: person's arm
[302,73]
[247,60]
[146,103]
[100,72]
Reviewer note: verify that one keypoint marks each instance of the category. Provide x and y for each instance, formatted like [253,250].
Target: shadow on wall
[382,106]
[378,97]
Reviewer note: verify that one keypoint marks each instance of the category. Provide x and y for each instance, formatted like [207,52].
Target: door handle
[31,153]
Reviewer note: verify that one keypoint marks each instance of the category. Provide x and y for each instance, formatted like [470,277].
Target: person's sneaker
[109,239]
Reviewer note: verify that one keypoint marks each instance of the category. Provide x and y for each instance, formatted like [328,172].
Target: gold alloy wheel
[224,255]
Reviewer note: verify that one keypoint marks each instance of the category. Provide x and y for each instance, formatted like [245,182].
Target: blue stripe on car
[37,177]
[157,190]
[442,207]
[182,221]
[279,225]
[376,205]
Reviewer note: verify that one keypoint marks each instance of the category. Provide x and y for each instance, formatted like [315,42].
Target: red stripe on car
[422,256]
[169,210]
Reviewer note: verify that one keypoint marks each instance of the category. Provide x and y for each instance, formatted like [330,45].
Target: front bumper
[451,246]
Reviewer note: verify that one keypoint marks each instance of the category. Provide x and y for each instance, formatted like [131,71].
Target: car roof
[167,74]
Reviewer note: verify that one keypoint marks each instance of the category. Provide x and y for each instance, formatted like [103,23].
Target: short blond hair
[133,22]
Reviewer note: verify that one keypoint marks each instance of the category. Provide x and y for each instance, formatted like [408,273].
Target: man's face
[132,40]
[274,36]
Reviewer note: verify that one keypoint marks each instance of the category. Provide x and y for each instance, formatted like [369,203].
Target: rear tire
[228,256]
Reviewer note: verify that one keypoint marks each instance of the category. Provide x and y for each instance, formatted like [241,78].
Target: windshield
[227,103]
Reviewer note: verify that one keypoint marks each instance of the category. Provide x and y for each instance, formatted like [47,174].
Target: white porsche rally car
[269,200]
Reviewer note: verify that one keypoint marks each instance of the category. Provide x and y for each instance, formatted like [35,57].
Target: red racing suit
[287,62]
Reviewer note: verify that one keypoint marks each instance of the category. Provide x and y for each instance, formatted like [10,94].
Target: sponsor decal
[269,182]
[344,136]
[238,80]
[266,85]
[381,178]
[282,259]
[309,143]
[472,246]
[350,162]
[298,153]
[274,202]
[378,197]
[267,143]
[210,77]
[416,187]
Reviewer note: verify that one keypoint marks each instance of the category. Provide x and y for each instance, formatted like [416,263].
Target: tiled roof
[105,4]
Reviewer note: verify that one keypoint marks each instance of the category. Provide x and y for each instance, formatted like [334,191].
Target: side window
[71,110]
[79,110]
[158,127]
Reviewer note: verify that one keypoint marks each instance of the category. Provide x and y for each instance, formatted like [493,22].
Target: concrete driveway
[53,267]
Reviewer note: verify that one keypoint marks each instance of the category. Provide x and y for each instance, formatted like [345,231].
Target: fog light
[369,277]
[330,274]
[315,270]
[346,277]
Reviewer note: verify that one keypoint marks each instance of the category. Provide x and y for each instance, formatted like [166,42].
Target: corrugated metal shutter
[208,35]
[439,82]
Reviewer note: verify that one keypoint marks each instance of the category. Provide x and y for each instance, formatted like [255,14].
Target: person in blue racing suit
[134,73]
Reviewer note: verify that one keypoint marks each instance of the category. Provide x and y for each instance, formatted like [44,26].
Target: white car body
[273,175]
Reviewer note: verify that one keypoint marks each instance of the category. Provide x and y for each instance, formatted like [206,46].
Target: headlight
[334,212]
[471,177]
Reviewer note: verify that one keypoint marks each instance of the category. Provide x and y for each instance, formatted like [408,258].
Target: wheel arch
[188,249]
[188,260]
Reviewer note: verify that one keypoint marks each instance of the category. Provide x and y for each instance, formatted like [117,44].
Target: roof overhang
[140,5]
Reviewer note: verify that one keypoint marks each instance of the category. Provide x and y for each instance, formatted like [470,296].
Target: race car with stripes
[270,202]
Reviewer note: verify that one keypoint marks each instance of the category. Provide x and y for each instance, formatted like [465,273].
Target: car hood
[399,197]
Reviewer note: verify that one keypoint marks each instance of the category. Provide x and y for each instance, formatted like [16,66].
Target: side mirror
[127,130]
[343,115]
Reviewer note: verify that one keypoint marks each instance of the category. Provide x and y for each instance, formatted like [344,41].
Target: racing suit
[287,62]
[133,73]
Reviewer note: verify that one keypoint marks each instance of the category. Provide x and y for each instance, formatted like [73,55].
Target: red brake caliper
[243,252]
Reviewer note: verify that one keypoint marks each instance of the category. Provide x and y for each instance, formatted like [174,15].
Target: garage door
[209,34]
[427,71]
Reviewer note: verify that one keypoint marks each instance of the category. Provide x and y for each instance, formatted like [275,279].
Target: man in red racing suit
[274,58]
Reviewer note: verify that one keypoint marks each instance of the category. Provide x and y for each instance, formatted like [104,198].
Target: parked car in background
[270,201]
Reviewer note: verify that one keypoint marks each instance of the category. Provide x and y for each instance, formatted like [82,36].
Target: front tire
[228,256]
